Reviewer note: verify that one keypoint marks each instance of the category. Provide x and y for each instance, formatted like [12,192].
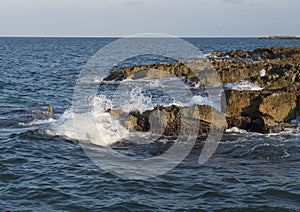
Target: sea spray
[95,126]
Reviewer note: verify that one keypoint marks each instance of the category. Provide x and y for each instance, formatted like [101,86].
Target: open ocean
[44,168]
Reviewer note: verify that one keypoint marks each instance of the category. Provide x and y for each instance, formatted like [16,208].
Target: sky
[215,18]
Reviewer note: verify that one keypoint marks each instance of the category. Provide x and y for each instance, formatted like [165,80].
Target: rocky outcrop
[162,70]
[281,66]
[278,74]
[284,53]
[272,109]
[278,37]
[194,72]
[256,111]
[262,111]
[172,120]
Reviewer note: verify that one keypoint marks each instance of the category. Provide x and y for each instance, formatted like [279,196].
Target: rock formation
[172,120]
[279,37]
[272,109]
[261,111]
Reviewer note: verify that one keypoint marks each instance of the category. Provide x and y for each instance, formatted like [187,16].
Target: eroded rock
[277,70]
[261,111]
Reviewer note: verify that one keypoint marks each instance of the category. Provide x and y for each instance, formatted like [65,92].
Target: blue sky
[129,17]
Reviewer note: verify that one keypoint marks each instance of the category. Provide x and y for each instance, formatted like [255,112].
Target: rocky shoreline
[272,109]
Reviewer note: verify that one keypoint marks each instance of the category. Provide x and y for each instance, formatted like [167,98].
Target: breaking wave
[97,126]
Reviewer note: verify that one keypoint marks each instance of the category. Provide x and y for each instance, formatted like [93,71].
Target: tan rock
[279,106]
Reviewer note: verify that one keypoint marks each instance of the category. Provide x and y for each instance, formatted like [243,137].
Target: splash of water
[97,126]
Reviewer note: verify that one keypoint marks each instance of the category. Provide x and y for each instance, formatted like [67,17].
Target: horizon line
[113,36]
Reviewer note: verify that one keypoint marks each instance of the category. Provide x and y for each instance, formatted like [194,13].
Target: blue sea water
[46,169]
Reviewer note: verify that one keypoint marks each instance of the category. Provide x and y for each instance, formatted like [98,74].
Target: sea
[46,162]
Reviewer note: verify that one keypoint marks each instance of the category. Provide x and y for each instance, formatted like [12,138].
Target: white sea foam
[38,122]
[214,102]
[206,55]
[96,126]
[98,80]
[242,86]
[236,130]
[133,100]
[262,73]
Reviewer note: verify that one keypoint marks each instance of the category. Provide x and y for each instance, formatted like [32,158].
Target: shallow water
[40,170]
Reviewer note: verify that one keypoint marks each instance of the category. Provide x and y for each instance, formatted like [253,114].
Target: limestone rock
[261,111]
[277,70]
[279,106]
